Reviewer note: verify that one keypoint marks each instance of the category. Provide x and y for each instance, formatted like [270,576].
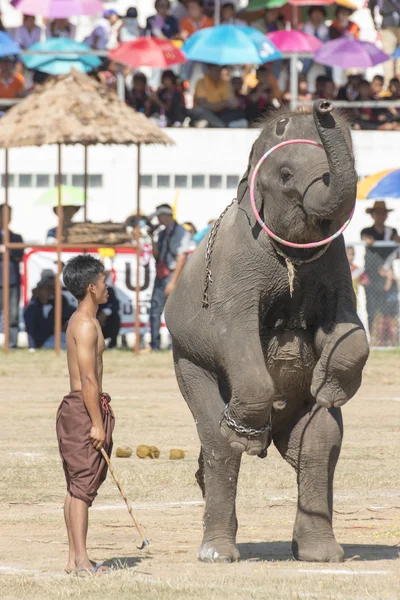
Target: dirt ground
[150,410]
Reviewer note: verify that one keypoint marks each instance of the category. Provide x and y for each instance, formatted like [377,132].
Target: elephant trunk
[338,199]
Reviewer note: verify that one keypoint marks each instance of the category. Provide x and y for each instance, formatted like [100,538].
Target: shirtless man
[85,420]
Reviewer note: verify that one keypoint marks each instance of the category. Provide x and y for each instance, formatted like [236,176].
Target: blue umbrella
[396,53]
[230,45]
[59,64]
[7,45]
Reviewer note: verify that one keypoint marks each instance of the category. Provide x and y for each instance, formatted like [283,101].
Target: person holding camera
[170,253]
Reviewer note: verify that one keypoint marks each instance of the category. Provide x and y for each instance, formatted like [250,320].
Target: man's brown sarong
[85,468]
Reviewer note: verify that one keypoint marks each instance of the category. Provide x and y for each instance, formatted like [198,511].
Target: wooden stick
[130,509]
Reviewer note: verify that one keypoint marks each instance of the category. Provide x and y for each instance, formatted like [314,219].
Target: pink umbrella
[293,41]
[58,9]
[346,52]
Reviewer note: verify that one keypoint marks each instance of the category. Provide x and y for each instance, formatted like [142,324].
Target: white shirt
[322,32]
[26,38]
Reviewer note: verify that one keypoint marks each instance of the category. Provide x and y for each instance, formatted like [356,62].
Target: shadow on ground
[273,551]
[124,562]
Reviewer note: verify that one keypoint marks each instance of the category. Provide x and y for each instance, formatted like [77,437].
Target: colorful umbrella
[148,52]
[260,4]
[346,52]
[385,184]
[230,45]
[58,9]
[397,52]
[59,64]
[293,41]
[70,196]
[7,45]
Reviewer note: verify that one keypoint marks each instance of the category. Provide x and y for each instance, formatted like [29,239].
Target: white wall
[208,151]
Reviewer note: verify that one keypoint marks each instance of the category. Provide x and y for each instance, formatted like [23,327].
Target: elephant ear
[243,186]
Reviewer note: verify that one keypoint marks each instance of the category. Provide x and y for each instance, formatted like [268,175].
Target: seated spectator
[68,214]
[162,24]
[109,319]
[319,86]
[342,26]
[237,87]
[303,95]
[108,76]
[228,14]
[315,26]
[139,97]
[377,87]
[169,100]
[101,36]
[214,102]
[329,90]
[366,117]
[251,80]
[28,33]
[350,90]
[130,28]
[11,83]
[265,20]
[259,99]
[60,28]
[195,20]
[393,112]
[39,314]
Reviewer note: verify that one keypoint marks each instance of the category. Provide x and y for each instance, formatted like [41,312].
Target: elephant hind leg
[311,445]
[200,474]
[218,463]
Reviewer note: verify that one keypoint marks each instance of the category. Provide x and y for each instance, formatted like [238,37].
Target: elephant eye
[286,175]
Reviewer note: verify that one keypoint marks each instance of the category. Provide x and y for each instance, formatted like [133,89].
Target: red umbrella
[148,52]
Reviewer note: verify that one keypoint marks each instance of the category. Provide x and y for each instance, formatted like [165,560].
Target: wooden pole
[6,260]
[138,250]
[85,185]
[60,228]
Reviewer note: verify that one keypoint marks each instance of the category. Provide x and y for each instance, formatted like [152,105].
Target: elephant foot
[252,446]
[218,552]
[319,547]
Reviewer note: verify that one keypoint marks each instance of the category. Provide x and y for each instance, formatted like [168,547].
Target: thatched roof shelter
[76,109]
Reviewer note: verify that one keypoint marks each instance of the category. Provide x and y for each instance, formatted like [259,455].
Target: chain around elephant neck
[209,249]
[292,263]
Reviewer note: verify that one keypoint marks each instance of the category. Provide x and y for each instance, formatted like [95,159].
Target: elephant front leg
[218,463]
[343,354]
[312,447]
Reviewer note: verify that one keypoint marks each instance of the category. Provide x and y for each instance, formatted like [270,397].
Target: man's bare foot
[70,568]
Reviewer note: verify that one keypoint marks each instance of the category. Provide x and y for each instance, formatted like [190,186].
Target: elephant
[266,340]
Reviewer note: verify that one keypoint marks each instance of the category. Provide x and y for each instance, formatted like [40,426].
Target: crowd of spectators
[223,96]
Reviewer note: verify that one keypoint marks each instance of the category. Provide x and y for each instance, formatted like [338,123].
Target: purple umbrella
[58,9]
[349,53]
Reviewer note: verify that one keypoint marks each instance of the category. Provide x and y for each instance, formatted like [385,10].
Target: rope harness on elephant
[292,263]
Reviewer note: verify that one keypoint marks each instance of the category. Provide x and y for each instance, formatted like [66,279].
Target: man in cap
[170,253]
[375,256]
[105,34]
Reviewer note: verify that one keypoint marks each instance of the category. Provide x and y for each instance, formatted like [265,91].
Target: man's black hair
[319,8]
[79,272]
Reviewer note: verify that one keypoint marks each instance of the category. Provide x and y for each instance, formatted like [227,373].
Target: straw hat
[378,205]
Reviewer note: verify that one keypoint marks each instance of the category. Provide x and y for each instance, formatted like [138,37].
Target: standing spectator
[315,26]
[60,28]
[28,33]
[195,20]
[162,24]
[109,319]
[130,28]
[104,32]
[375,256]
[170,253]
[214,102]
[342,26]
[169,101]
[11,83]
[390,31]
[356,271]
[15,279]
[39,314]
[228,14]
[139,97]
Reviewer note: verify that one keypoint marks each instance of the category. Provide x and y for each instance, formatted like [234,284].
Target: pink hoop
[259,219]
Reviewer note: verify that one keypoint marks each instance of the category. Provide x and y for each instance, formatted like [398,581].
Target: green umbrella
[70,196]
[259,4]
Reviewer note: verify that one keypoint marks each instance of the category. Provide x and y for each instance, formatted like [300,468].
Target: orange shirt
[352,29]
[189,26]
[11,88]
